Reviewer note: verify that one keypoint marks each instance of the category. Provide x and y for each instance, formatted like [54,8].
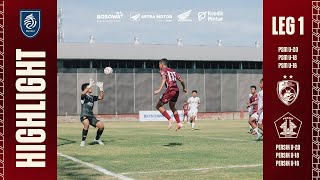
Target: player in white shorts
[260,111]
[252,108]
[260,106]
[193,103]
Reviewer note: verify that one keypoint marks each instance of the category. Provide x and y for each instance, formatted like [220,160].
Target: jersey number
[172,76]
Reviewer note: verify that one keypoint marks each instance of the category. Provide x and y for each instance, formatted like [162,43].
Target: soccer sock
[256,130]
[99,132]
[84,134]
[192,125]
[176,116]
[166,115]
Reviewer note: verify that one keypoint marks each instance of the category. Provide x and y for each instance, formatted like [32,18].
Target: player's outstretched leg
[175,114]
[84,131]
[164,113]
[100,127]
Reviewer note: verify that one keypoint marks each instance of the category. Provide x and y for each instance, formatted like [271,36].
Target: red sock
[165,114]
[176,116]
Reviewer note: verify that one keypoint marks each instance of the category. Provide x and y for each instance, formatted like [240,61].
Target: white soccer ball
[108,70]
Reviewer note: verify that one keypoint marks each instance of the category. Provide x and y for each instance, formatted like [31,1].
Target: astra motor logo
[112,17]
[184,17]
[135,16]
[210,16]
[30,22]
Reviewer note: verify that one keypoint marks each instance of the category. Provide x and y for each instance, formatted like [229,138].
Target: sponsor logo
[184,17]
[30,22]
[288,126]
[135,16]
[210,16]
[115,17]
[201,16]
[155,115]
[288,90]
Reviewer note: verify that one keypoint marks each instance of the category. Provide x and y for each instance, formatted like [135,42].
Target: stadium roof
[154,52]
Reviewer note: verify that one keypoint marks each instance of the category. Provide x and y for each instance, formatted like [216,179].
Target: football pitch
[216,149]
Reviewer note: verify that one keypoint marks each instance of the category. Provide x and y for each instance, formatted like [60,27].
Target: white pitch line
[95,167]
[197,169]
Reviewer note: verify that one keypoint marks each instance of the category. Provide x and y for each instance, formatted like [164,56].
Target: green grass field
[146,150]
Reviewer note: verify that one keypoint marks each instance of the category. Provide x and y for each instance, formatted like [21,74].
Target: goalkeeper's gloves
[100,85]
[90,83]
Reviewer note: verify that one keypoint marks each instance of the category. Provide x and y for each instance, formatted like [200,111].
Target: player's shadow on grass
[173,144]
[104,141]
[70,170]
[65,141]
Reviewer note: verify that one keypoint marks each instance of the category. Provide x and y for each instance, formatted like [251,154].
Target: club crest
[288,126]
[30,22]
[288,90]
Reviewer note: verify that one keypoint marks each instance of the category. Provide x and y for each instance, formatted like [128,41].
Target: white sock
[192,125]
[256,130]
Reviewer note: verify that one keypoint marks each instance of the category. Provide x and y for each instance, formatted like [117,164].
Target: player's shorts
[185,113]
[193,112]
[92,120]
[260,120]
[171,96]
[255,116]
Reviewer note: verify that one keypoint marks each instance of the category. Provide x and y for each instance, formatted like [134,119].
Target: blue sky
[241,25]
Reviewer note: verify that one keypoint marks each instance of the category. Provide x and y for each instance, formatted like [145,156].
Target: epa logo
[30,22]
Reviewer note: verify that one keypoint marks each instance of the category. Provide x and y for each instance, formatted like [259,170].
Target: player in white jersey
[193,103]
[258,116]
[260,106]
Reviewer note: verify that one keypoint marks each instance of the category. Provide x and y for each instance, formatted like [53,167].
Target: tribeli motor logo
[30,22]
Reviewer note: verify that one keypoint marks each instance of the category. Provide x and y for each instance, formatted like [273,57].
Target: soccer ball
[108,70]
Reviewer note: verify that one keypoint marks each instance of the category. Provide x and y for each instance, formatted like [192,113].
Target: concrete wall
[128,91]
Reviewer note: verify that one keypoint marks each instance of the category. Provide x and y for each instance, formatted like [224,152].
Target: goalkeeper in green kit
[87,118]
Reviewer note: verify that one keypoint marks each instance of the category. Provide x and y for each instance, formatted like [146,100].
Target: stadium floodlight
[136,40]
[257,44]
[92,39]
[179,42]
[219,43]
